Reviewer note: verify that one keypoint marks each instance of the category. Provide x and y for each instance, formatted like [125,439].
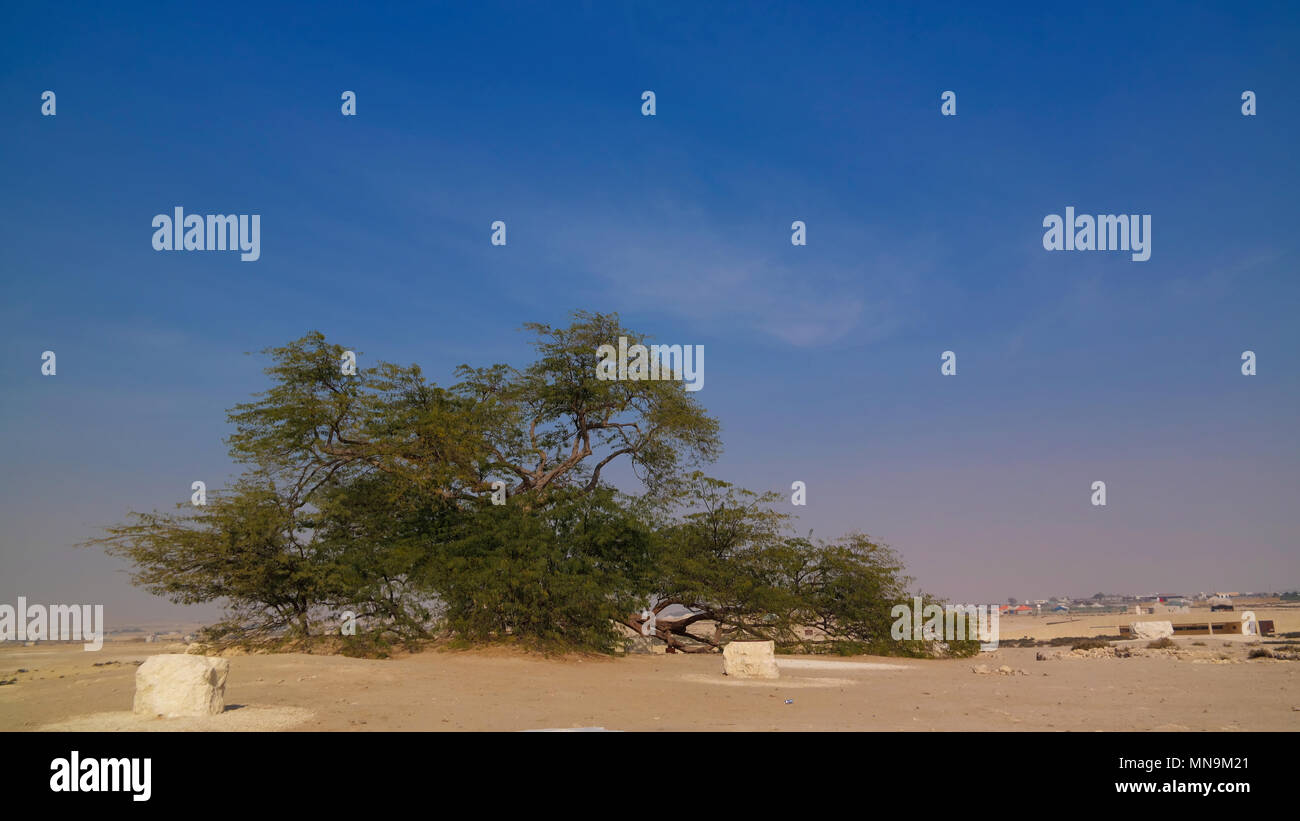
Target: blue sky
[822,362]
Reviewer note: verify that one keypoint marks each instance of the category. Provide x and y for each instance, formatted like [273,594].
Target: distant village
[1145,604]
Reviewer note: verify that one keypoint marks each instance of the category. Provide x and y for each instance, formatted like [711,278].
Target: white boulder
[750,659]
[1152,629]
[174,685]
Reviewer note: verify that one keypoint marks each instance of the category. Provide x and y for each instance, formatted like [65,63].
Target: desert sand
[1205,686]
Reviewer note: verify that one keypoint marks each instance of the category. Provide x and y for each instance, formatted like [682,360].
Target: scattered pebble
[1004,670]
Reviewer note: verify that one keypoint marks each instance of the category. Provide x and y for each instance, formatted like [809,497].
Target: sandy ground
[507,690]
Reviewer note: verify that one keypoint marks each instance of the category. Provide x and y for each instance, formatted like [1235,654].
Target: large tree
[373,492]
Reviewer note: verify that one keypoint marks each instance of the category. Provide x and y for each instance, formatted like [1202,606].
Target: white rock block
[174,685]
[750,659]
[1152,629]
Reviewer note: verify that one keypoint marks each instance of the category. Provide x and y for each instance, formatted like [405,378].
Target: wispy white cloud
[679,263]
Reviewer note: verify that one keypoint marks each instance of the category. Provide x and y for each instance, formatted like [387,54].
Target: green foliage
[733,564]
[556,423]
[1089,644]
[244,546]
[382,539]
[556,576]
[368,645]
[1075,641]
